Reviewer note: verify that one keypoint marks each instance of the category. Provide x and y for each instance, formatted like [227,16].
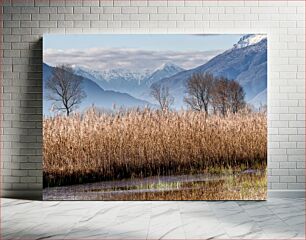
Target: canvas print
[155,117]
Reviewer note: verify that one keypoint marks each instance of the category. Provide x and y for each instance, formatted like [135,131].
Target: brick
[28,179]
[221,24]
[138,3]
[103,17]
[35,173]
[140,17]
[95,3]
[273,179]
[287,179]
[112,9]
[23,3]
[148,24]
[158,3]
[11,24]
[158,17]
[185,9]
[19,173]
[41,3]
[65,10]
[81,9]
[29,24]
[47,23]
[21,16]
[29,10]
[167,24]
[296,172]
[10,179]
[48,10]
[58,3]
[74,16]
[166,9]
[57,17]
[11,10]
[190,17]
[90,16]
[176,17]
[300,179]
[147,9]
[82,24]
[98,24]
[121,3]
[65,24]
[130,24]
[113,24]
[40,17]
[121,17]
[74,3]
[278,186]
[296,186]
[287,165]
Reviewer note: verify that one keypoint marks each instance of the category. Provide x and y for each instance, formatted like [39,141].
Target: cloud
[133,59]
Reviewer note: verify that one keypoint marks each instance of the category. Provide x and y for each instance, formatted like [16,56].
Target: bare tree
[199,90]
[228,95]
[65,89]
[220,95]
[162,95]
[236,95]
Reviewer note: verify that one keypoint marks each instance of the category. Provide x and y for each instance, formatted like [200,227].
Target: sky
[135,52]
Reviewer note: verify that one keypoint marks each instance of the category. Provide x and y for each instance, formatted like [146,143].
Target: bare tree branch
[199,90]
[162,95]
[65,89]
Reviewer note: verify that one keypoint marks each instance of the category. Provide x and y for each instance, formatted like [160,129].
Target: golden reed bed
[139,143]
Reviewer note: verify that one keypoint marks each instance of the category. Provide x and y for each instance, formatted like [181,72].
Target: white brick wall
[25,21]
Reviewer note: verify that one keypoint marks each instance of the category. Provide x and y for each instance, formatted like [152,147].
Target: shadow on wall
[30,124]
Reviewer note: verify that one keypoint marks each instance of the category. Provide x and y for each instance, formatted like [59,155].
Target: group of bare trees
[205,93]
[217,94]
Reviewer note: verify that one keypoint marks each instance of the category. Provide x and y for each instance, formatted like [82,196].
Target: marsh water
[110,190]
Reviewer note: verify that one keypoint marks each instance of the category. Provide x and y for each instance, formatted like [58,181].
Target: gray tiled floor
[272,219]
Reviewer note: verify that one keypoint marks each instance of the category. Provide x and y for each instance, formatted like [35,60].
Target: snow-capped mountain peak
[248,40]
[110,74]
[169,67]
[163,71]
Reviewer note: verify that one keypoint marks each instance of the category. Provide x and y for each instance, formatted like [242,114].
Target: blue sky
[156,42]
[135,52]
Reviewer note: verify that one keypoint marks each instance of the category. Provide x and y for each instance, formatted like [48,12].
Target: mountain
[134,83]
[119,79]
[246,63]
[95,95]
[249,39]
[111,74]
[164,71]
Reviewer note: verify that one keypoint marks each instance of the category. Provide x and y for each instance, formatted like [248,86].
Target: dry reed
[139,143]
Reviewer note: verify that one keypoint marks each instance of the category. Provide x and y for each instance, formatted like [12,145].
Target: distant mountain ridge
[124,80]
